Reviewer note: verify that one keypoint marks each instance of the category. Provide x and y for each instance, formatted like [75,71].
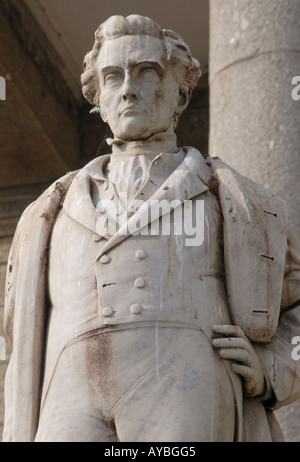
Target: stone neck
[160,142]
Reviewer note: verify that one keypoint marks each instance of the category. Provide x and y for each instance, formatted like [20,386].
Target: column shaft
[254,121]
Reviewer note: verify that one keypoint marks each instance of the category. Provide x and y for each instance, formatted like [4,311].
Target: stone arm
[282,372]
[25,312]
[268,371]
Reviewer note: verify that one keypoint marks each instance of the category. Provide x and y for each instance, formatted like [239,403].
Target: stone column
[254,121]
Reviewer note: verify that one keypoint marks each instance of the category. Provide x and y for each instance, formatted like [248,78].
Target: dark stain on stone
[45,215]
[99,366]
[213,186]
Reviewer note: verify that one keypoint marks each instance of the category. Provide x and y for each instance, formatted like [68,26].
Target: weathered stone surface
[13,201]
[288,417]
[143,91]
[245,29]
[36,125]
[254,122]
[2,283]
[3,367]
[5,243]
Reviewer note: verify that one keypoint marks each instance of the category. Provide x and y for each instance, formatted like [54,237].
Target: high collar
[160,142]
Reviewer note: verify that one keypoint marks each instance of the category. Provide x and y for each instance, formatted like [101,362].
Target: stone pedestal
[254,121]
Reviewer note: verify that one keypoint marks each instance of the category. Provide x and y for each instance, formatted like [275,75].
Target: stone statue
[152,295]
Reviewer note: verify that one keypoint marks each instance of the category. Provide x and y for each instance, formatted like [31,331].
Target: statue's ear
[184,99]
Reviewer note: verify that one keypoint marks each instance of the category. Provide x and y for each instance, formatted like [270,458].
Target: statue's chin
[134,138]
[134,127]
[138,135]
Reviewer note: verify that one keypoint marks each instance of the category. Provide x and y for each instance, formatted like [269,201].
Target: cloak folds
[262,267]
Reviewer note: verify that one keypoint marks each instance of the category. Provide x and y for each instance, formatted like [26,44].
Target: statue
[128,321]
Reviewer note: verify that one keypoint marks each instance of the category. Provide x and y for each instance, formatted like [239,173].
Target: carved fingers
[234,346]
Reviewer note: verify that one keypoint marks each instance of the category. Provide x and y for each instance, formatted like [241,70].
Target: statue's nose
[129,89]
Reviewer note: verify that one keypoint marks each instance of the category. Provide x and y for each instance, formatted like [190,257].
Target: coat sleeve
[282,372]
[25,313]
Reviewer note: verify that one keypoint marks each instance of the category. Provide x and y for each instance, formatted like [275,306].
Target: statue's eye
[149,73]
[112,78]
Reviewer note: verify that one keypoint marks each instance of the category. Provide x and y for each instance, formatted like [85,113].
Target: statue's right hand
[233,345]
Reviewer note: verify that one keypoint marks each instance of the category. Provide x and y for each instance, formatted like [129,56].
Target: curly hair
[177,51]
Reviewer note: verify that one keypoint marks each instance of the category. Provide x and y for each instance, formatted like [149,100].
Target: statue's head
[139,76]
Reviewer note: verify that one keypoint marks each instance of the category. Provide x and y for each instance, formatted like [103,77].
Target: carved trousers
[149,384]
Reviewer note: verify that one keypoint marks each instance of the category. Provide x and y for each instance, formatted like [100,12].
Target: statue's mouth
[131,110]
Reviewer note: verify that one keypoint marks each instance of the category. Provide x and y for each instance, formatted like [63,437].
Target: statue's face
[139,92]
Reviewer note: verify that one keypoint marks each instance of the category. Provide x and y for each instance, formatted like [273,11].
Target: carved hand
[233,345]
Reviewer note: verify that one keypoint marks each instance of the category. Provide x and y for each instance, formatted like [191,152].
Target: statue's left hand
[233,345]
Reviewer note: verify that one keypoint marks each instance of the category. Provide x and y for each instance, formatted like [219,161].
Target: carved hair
[177,51]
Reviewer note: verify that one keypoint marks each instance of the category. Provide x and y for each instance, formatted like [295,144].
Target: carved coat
[262,267]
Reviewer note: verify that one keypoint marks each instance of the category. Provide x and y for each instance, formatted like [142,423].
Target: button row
[139,283]
[140,255]
[136,308]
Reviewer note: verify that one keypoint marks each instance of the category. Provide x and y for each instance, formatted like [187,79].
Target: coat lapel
[190,179]
[79,204]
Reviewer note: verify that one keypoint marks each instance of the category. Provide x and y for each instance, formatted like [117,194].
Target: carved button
[136,308]
[107,311]
[141,254]
[104,259]
[139,283]
[101,208]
